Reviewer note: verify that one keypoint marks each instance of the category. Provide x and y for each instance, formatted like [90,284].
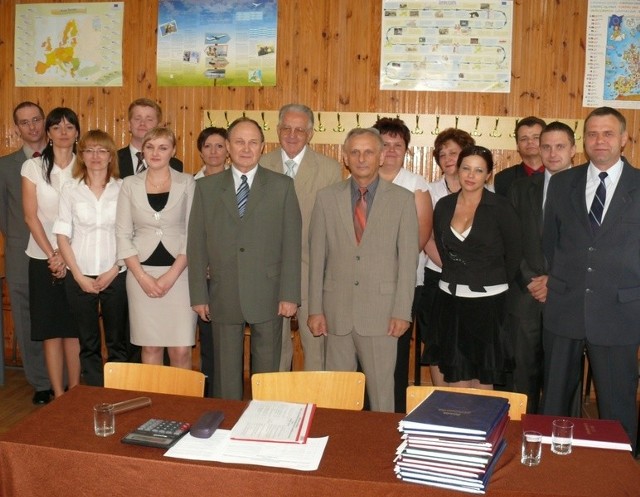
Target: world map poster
[612,68]
[69,44]
[217,42]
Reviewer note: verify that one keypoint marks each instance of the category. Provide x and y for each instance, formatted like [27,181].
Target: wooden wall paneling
[329,58]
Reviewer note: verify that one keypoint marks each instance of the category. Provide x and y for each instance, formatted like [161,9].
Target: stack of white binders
[452,440]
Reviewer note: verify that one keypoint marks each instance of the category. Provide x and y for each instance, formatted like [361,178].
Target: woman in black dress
[478,240]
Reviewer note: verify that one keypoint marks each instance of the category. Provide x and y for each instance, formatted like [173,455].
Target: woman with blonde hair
[86,237]
[151,231]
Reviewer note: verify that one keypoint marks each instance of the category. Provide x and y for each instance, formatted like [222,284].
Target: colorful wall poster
[612,65]
[453,45]
[217,42]
[69,44]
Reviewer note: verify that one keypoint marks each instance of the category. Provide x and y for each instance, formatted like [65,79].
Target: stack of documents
[452,440]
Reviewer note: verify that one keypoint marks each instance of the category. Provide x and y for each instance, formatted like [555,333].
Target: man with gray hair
[363,240]
[311,171]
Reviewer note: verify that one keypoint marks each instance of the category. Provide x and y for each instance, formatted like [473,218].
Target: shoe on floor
[42,397]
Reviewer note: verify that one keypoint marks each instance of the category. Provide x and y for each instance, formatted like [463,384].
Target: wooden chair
[153,378]
[517,401]
[333,389]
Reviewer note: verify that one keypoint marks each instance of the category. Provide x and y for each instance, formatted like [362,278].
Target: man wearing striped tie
[591,240]
[245,227]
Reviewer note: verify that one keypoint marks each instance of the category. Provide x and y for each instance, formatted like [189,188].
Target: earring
[50,142]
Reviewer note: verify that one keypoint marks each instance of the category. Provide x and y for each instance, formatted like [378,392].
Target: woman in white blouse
[86,237]
[51,318]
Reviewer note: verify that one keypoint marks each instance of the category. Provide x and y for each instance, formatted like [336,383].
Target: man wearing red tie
[363,241]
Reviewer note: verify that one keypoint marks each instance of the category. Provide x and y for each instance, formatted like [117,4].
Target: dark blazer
[504,178]
[594,280]
[491,253]
[254,261]
[126,165]
[525,195]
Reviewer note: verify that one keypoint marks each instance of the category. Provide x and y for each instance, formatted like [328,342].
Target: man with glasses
[311,172]
[28,118]
[528,132]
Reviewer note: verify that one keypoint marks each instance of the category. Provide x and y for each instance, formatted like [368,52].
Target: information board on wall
[453,45]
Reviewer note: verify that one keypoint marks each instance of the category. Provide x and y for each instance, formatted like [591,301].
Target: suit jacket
[139,228]
[253,261]
[12,225]
[126,167]
[492,251]
[526,195]
[361,287]
[504,178]
[314,173]
[594,279]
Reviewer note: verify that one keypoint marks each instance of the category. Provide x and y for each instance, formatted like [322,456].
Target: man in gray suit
[363,241]
[591,240]
[311,172]
[29,120]
[525,298]
[245,228]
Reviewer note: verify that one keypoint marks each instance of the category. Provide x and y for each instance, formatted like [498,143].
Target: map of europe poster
[69,44]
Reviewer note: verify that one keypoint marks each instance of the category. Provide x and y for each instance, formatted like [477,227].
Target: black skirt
[471,339]
[48,306]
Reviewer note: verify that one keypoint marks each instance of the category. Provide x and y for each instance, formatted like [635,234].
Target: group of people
[506,289]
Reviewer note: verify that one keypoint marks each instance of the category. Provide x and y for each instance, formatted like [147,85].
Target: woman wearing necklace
[212,146]
[86,236]
[51,318]
[446,148]
[478,239]
[151,233]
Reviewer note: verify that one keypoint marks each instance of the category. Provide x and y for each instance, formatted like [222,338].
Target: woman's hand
[87,284]
[105,279]
[150,285]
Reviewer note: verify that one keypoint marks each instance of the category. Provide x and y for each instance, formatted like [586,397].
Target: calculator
[161,433]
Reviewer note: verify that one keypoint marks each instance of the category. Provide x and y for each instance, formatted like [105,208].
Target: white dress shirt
[48,197]
[90,224]
[610,183]
[237,176]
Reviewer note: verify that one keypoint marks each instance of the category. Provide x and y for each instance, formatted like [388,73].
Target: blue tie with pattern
[597,206]
[242,195]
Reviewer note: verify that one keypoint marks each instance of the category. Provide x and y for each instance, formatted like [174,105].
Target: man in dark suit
[245,228]
[29,120]
[525,298]
[528,145]
[363,242]
[591,240]
[311,171]
[144,114]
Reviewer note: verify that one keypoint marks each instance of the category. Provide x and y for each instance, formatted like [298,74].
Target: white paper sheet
[221,448]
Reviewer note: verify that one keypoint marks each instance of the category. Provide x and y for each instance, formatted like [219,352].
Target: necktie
[291,164]
[140,167]
[597,206]
[360,214]
[36,154]
[242,195]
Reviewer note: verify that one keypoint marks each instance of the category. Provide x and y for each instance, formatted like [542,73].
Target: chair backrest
[333,389]
[153,378]
[517,401]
